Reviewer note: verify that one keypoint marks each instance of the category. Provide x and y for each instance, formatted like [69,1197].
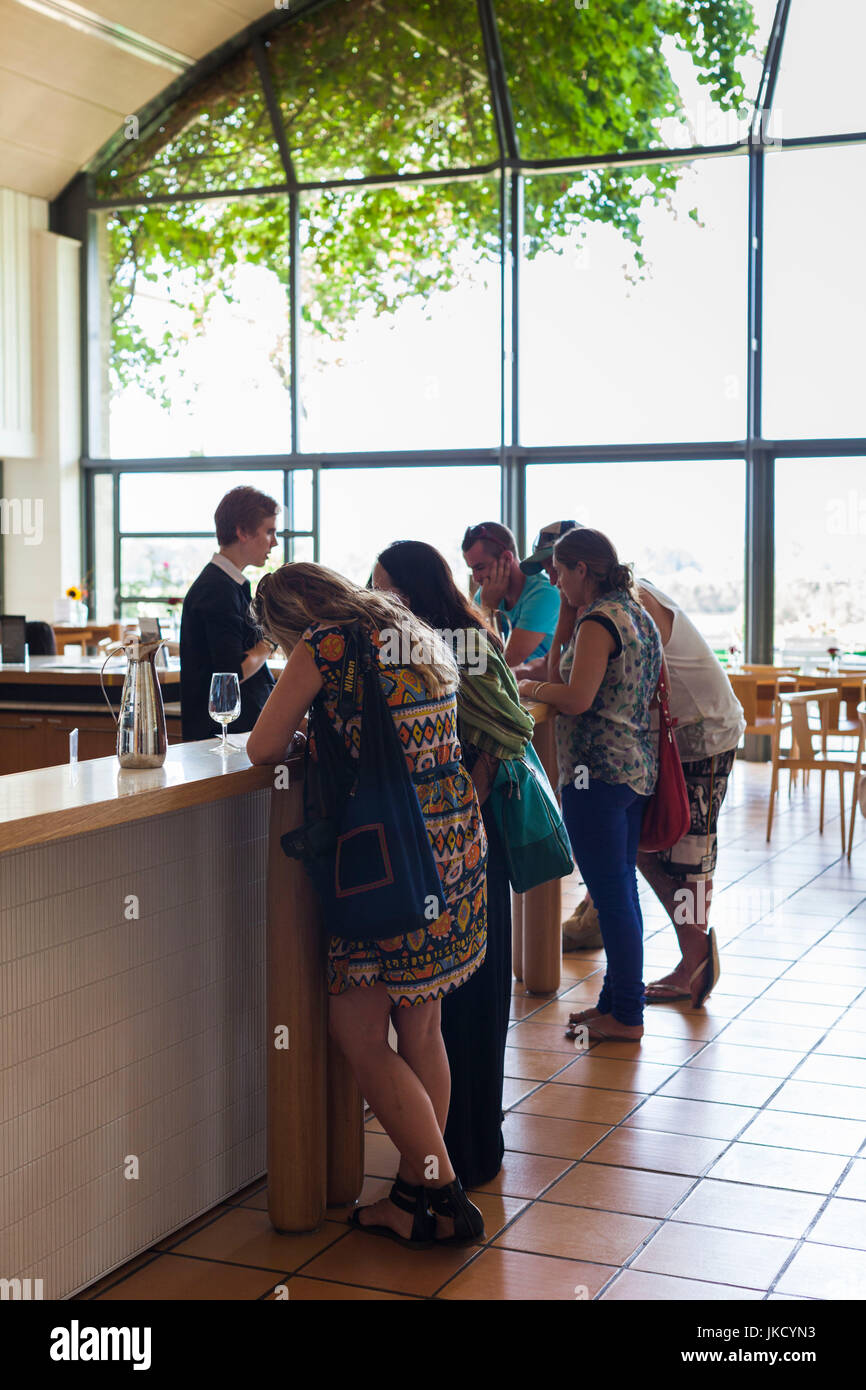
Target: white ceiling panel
[50,53]
[31,171]
[38,117]
[63,93]
[193,27]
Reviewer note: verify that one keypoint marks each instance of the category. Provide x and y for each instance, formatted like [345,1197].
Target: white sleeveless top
[708,716]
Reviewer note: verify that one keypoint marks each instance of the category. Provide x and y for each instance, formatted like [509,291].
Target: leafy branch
[370,87]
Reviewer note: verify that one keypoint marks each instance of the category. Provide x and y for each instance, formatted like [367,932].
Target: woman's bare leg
[419,1035]
[358,1021]
[419,1038]
[687,903]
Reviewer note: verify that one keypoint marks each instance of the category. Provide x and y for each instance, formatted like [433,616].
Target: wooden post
[542,906]
[345,1131]
[517,935]
[297,1001]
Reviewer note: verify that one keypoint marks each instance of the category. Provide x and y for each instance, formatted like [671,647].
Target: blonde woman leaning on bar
[306,609]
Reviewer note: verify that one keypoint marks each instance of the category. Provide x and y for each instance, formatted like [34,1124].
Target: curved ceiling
[70,75]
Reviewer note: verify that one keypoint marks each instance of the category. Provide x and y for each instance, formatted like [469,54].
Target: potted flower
[77,606]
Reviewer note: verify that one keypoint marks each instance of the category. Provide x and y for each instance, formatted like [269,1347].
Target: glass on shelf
[224,706]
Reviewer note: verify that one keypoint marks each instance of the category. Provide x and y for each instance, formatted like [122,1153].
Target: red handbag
[667,817]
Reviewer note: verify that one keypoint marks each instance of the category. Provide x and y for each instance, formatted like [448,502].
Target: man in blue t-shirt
[527,605]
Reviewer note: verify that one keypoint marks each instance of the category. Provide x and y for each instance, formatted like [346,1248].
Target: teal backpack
[537,847]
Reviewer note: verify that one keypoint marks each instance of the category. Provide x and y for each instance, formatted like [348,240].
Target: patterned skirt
[429,963]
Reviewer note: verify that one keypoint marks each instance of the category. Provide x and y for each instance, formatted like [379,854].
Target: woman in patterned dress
[608,758]
[306,608]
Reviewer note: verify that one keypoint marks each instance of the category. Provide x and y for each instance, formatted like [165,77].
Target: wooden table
[40,706]
[536,916]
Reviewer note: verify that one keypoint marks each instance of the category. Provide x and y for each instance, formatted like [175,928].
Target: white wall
[40,426]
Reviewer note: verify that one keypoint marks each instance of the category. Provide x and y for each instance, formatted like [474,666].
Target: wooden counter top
[53,803]
[539,711]
[81,670]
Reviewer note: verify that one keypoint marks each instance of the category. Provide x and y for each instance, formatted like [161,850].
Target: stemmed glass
[224,706]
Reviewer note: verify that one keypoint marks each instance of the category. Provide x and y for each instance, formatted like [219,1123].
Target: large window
[815,293]
[385,368]
[680,524]
[616,351]
[196,360]
[396,260]
[820,548]
[163,524]
[820,89]
[363,512]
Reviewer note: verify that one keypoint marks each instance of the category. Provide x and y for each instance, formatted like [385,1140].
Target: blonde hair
[299,595]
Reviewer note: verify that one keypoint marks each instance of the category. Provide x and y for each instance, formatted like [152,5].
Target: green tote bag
[537,847]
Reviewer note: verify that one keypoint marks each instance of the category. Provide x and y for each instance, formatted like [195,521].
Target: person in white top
[709,724]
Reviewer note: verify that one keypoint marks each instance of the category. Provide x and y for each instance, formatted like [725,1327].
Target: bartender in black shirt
[216,631]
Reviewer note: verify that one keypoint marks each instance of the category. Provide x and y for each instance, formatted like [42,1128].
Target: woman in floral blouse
[607,756]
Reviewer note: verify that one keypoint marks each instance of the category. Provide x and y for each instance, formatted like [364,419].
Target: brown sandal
[664,994]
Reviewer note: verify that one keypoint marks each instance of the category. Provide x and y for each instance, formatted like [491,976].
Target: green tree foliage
[370,88]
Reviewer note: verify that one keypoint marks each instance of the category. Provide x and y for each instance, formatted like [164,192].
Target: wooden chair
[93,632]
[849,690]
[72,637]
[757,693]
[860,778]
[802,754]
[760,718]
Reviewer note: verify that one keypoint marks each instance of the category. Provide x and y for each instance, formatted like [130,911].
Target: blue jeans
[603,821]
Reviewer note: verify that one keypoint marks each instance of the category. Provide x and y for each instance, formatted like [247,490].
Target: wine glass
[224,705]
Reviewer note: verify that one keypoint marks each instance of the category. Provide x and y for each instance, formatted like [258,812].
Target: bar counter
[41,704]
[163,1008]
[163,1012]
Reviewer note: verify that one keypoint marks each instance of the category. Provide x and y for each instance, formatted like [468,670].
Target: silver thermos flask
[141,734]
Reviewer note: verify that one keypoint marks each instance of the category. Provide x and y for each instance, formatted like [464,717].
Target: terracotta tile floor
[718,1159]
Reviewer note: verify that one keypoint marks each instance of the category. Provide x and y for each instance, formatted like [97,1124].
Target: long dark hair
[424,577]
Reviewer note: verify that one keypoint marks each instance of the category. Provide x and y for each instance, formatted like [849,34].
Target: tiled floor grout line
[587,1156]
[654,928]
[85,1297]
[698,1178]
[801,1240]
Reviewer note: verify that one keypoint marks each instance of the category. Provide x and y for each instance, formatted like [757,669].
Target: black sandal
[452,1201]
[407,1198]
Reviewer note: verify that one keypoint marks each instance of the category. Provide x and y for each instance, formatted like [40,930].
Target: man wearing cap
[540,560]
[527,605]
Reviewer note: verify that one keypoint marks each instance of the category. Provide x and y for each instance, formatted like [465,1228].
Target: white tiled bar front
[132,1048]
